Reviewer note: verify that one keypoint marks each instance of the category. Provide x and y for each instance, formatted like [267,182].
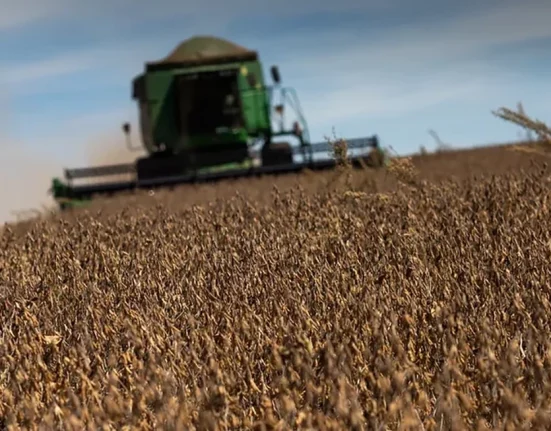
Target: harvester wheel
[277,153]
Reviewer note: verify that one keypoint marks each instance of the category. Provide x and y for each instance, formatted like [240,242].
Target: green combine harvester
[206,114]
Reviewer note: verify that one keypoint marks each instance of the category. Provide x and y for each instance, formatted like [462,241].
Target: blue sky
[392,67]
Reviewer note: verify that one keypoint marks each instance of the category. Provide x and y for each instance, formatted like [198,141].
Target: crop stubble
[422,306]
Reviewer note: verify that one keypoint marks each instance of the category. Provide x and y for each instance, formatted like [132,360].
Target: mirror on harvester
[275,74]
[126,128]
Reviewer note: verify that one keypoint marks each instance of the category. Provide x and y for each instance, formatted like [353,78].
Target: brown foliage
[325,306]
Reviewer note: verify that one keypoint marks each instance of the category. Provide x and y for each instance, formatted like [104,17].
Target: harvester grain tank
[206,114]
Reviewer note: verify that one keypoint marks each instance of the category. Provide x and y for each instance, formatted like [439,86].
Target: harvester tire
[277,153]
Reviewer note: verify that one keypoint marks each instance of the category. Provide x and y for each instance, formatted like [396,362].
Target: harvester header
[206,114]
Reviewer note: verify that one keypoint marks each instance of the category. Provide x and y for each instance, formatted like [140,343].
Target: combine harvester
[206,114]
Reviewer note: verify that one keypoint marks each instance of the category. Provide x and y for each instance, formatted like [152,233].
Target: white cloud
[401,71]
[21,73]
[426,47]
[26,176]
[429,45]
[213,14]
[385,99]
[17,13]
[396,71]
[120,55]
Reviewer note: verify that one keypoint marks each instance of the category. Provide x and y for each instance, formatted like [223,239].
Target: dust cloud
[26,178]
[111,148]
[27,175]
[27,170]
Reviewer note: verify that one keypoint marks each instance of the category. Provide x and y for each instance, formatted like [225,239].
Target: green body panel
[161,104]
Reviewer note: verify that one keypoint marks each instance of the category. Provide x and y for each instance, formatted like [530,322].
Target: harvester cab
[206,113]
